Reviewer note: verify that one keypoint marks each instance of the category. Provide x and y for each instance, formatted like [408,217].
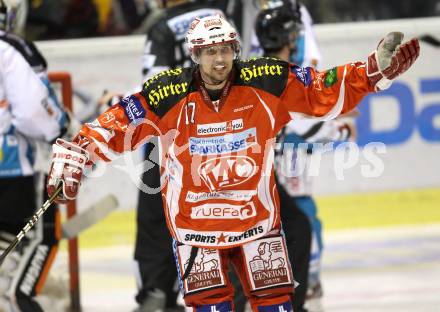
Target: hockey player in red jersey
[218,121]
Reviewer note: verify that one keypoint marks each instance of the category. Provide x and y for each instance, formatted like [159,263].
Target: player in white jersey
[307,50]
[29,111]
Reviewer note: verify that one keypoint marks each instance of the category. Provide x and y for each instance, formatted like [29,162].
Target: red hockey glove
[390,59]
[68,162]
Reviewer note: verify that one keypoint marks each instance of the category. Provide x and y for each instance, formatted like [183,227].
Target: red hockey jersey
[220,188]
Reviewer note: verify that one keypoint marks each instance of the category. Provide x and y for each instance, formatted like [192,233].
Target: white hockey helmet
[11,14]
[211,30]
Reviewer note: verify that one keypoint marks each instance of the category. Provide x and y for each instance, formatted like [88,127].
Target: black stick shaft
[29,225]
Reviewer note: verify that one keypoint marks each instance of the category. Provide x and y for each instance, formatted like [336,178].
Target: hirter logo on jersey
[222,172]
[220,127]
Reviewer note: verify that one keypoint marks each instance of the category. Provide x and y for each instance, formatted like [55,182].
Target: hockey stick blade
[84,220]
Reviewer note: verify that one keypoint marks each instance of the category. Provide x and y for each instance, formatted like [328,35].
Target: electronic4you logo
[220,127]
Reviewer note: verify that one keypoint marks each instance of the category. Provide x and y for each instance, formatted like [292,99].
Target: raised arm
[327,94]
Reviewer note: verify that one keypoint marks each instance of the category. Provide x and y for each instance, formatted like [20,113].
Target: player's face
[216,63]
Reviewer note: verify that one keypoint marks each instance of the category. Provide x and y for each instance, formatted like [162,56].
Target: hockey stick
[92,215]
[430,40]
[30,224]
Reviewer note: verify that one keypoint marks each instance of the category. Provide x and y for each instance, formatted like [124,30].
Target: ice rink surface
[395,269]
[387,269]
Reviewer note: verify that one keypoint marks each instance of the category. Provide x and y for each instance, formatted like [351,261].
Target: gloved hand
[68,162]
[390,59]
